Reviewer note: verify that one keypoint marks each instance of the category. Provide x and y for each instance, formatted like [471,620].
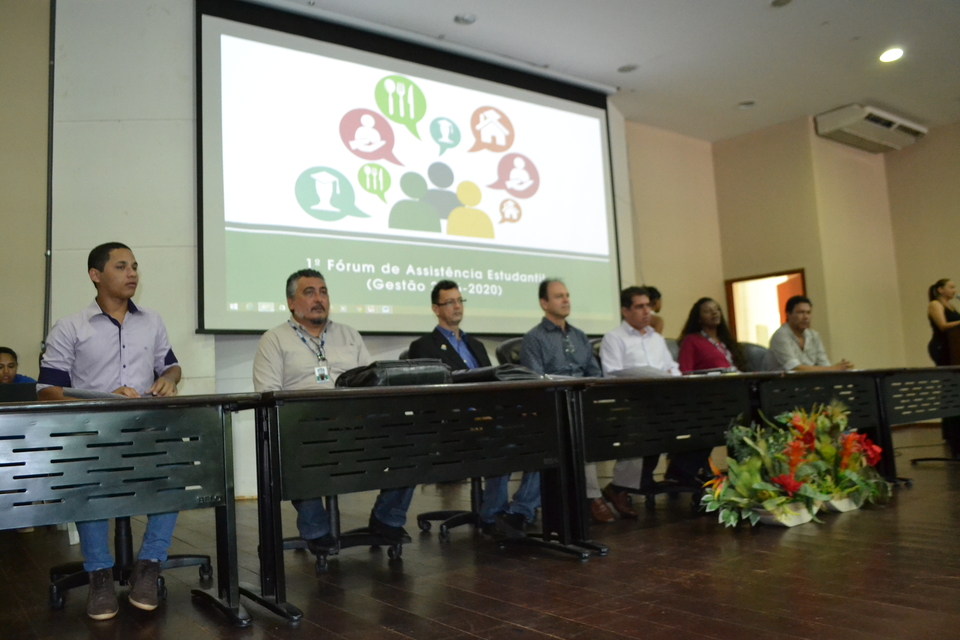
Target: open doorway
[756,304]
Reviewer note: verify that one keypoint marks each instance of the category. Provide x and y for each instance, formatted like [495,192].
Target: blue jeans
[96,549]
[525,501]
[391,506]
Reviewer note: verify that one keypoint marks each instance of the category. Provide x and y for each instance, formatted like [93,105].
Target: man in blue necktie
[461,351]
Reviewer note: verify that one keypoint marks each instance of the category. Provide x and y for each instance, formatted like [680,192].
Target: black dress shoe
[394,535]
[322,545]
[513,525]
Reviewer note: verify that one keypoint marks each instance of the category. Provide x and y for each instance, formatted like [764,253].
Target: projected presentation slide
[387,176]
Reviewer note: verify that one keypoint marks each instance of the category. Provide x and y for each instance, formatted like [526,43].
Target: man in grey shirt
[555,347]
[310,351]
[797,347]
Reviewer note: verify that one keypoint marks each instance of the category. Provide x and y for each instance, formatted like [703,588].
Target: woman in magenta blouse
[706,342]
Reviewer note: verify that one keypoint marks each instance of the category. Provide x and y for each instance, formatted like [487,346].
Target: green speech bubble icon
[326,194]
[374,179]
[445,133]
[402,101]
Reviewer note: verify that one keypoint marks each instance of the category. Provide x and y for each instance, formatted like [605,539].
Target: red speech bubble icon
[368,135]
[517,175]
[491,129]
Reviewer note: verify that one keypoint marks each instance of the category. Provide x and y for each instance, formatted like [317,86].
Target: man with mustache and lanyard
[310,351]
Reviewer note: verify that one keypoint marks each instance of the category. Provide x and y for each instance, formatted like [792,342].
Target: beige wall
[790,199]
[24,52]
[858,257]
[767,204]
[924,188]
[676,231]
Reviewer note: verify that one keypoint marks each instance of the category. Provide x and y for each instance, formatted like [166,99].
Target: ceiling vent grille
[868,128]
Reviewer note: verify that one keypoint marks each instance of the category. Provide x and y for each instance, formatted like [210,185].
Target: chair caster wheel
[321,565]
[395,551]
[424,525]
[443,534]
[206,571]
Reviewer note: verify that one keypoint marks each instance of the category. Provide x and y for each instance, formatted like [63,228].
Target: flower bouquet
[839,460]
[783,472]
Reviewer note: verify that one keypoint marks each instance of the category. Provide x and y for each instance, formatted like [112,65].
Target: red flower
[796,451]
[850,444]
[806,429]
[788,484]
[870,450]
[859,443]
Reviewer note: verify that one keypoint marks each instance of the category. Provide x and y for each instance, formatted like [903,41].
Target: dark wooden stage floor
[880,573]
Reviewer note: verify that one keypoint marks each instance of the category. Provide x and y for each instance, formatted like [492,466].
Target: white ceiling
[697,59]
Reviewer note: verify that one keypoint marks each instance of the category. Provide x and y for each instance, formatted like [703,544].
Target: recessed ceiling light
[627,68]
[465,18]
[746,104]
[891,54]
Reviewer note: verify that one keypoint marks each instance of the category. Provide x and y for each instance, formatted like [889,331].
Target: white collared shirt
[625,348]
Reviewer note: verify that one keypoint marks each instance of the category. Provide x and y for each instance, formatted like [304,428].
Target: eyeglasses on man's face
[450,303]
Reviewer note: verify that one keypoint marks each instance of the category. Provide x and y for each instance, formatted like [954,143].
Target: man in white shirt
[634,344]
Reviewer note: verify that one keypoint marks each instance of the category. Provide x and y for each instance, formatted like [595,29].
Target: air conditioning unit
[868,128]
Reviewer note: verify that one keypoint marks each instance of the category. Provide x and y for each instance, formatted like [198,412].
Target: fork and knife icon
[374,178]
[400,90]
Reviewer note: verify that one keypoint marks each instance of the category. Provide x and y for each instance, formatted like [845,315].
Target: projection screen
[387,175]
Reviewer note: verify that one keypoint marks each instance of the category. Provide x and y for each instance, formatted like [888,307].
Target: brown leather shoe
[620,501]
[102,597]
[145,592]
[600,512]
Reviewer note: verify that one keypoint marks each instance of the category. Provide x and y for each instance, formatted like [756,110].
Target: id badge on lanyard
[322,372]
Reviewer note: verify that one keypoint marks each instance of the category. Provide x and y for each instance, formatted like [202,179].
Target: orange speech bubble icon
[510,211]
[491,129]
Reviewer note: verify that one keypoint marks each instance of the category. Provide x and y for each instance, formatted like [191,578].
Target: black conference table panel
[347,440]
[921,394]
[329,442]
[630,418]
[855,389]
[100,459]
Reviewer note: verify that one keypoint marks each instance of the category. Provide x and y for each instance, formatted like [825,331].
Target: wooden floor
[879,573]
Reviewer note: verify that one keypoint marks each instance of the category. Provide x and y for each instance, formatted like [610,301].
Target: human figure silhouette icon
[467,220]
[367,138]
[327,186]
[446,128]
[442,199]
[415,214]
[519,176]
